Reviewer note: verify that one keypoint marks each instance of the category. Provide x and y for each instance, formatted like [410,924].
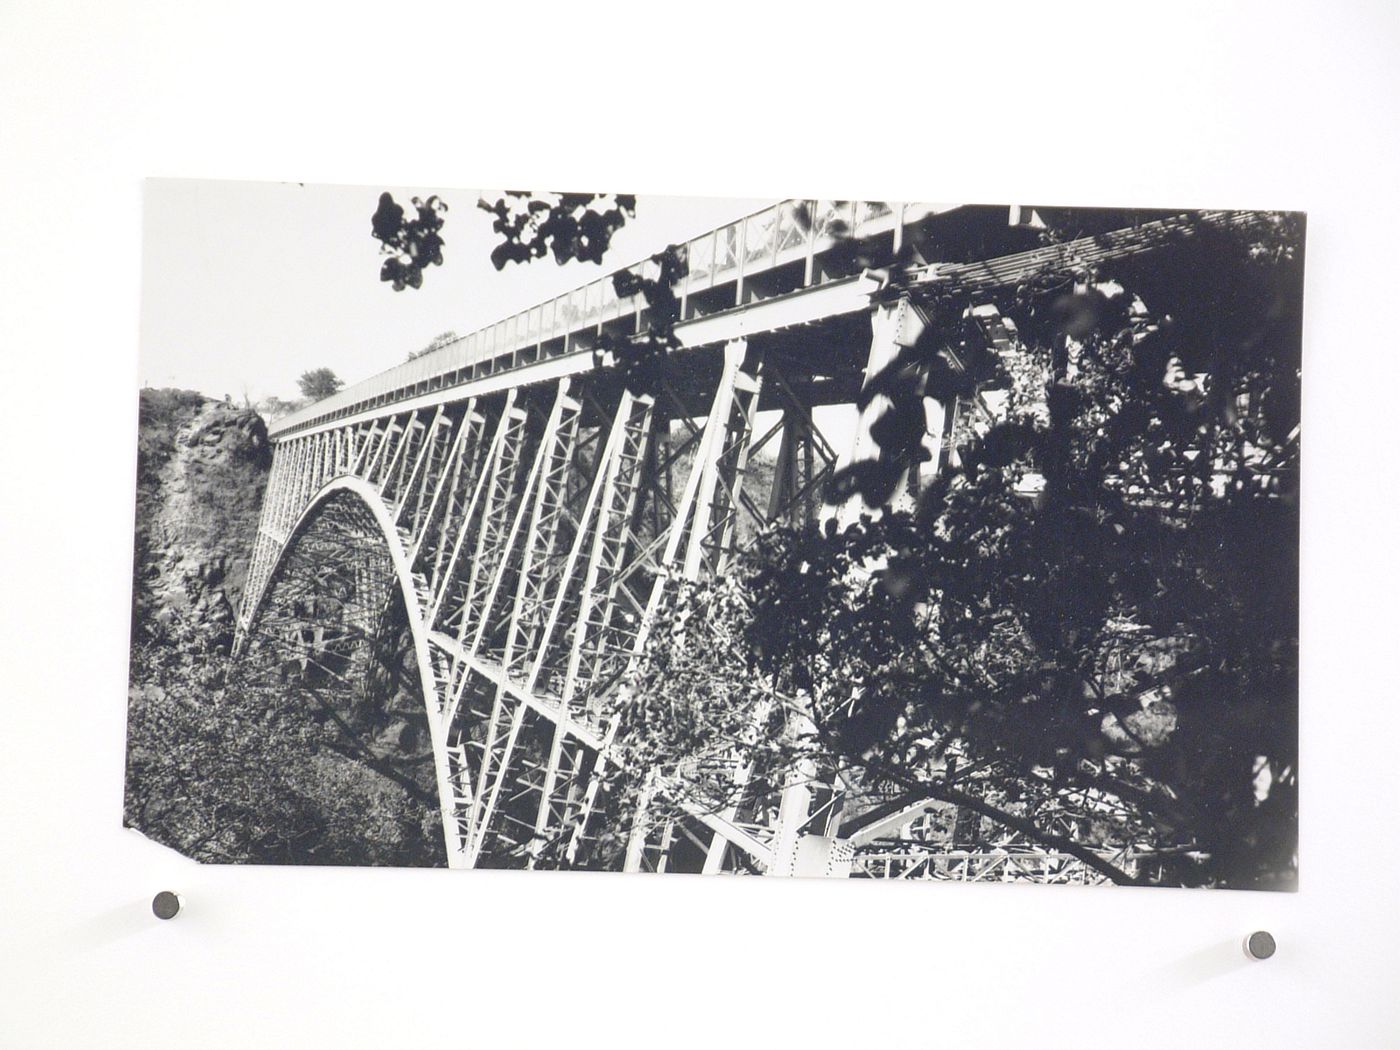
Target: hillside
[201,468]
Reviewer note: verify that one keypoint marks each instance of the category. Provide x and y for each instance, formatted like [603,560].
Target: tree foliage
[319,384]
[439,341]
[228,767]
[273,407]
[640,359]
[411,243]
[565,225]
[1087,632]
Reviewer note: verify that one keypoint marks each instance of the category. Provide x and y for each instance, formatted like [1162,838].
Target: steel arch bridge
[530,511]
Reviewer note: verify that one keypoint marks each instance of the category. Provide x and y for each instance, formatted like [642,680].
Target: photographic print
[857,539]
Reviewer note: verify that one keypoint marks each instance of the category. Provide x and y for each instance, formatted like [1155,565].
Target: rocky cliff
[201,468]
[233,761]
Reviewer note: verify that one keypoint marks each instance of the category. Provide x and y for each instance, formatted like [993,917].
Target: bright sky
[247,284]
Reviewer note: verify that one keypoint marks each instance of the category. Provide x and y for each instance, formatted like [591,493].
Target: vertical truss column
[383,449]
[794,812]
[311,472]
[302,482]
[495,522]
[457,804]
[357,439]
[391,466]
[364,448]
[286,506]
[499,460]
[529,542]
[726,462]
[423,478]
[796,496]
[600,638]
[338,458]
[616,486]
[704,523]
[449,513]
[722,464]
[418,442]
[320,454]
[453,444]
[530,610]
[479,481]
[543,498]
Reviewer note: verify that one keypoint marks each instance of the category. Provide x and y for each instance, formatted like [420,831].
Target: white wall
[1269,105]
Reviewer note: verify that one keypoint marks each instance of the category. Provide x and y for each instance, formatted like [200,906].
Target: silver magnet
[1260,944]
[166,905]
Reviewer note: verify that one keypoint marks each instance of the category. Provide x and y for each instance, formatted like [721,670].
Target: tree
[439,341]
[275,407]
[411,244]
[567,225]
[228,767]
[1087,633]
[319,384]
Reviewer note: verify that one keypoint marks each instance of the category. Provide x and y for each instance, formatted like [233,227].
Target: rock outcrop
[201,469]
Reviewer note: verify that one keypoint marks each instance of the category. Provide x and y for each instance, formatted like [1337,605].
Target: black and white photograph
[686,526]
[557,530]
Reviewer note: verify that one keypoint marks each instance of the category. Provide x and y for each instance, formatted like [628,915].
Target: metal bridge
[529,510]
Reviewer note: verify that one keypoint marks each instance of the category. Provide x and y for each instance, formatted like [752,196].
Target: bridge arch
[367,497]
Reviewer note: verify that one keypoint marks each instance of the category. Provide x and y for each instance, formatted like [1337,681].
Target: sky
[246,285]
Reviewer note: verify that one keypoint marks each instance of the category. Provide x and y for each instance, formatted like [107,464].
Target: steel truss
[530,533]
[533,529]
[533,534]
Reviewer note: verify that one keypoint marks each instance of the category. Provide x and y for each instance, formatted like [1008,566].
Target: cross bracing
[531,512]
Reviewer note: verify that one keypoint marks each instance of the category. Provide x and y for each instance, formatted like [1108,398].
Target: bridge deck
[773,270]
[771,253]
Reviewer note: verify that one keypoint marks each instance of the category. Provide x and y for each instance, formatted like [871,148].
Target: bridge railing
[787,233]
[996,865]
